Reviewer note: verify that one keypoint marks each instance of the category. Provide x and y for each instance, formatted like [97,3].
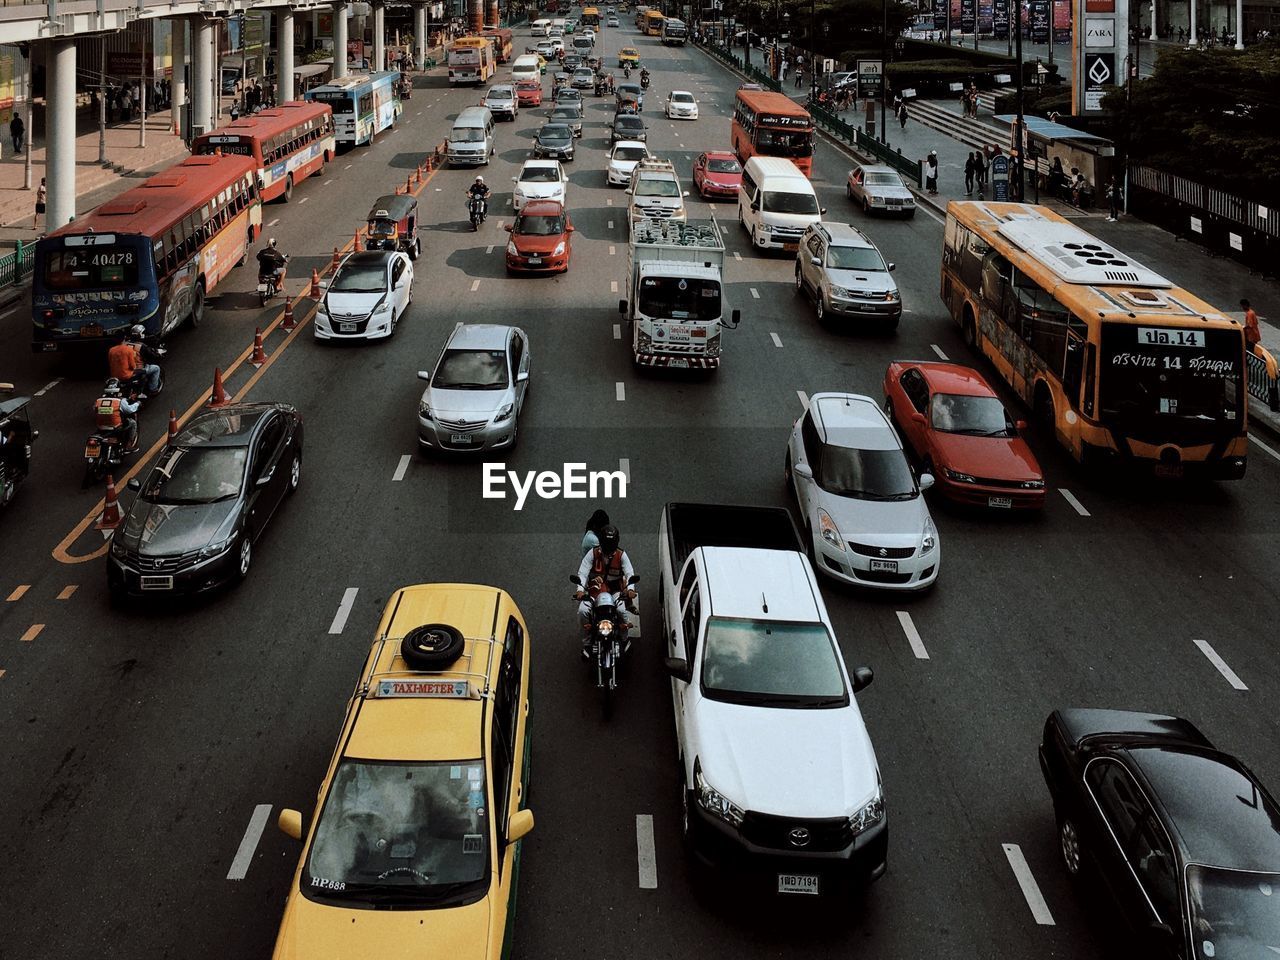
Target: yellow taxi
[414,846]
[628,57]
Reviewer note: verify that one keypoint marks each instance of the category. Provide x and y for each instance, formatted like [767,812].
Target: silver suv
[846,276]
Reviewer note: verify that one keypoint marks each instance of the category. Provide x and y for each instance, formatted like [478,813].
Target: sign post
[1101,44]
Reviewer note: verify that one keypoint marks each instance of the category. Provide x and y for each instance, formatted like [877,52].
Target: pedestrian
[17,129]
[931,173]
[902,114]
[782,74]
[235,111]
[980,173]
[126,106]
[1252,333]
[1113,198]
[799,76]
[970,171]
[42,194]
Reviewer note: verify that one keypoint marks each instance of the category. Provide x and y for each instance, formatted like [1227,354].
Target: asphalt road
[136,746]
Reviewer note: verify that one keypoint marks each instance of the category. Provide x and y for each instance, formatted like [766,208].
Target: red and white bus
[503,42]
[150,256]
[288,142]
[769,124]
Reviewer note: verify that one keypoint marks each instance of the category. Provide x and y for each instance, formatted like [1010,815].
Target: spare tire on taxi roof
[431,646]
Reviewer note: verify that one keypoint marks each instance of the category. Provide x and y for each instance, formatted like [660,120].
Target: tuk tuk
[393,225]
[16,437]
[626,104]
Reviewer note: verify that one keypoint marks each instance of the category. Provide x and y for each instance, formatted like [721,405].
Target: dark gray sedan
[555,141]
[627,126]
[569,113]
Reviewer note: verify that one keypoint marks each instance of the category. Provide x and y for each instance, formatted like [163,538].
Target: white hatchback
[366,298]
[539,180]
[623,157]
[681,105]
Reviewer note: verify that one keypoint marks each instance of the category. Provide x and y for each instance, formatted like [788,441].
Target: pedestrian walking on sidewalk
[902,114]
[980,173]
[1113,199]
[42,194]
[799,76]
[970,171]
[1252,333]
[17,129]
[931,173]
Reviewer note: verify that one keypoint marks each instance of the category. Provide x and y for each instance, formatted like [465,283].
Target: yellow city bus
[591,16]
[652,23]
[1122,365]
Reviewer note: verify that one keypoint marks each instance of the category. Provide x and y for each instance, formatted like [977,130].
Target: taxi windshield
[400,833]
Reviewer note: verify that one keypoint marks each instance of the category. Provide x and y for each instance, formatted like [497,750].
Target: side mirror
[515,179]
[134,484]
[507,227]
[290,823]
[917,416]
[686,193]
[755,206]
[677,667]
[862,678]
[892,266]
[522,376]
[633,580]
[803,470]
[263,480]
[324,285]
[822,210]
[424,375]
[35,434]
[622,307]
[570,228]
[926,481]
[816,261]
[519,826]
[573,578]
[736,318]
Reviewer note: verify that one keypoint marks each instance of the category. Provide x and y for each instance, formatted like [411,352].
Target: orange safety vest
[123,360]
[108,411]
[611,572]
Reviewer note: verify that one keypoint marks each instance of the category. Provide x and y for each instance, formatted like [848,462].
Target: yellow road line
[18,591]
[33,631]
[67,592]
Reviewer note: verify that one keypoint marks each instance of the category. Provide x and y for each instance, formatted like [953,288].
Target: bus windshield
[679,298]
[339,100]
[111,267]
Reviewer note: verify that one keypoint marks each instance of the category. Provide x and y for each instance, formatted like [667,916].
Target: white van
[526,67]
[471,139]
[776,202]
[539,28]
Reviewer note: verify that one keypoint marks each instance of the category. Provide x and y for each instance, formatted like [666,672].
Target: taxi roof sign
[409,687]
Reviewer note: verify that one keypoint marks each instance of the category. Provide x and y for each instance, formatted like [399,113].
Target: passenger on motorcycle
[607,568]
[480,189]
[118,414]
[271,262]
[127,361]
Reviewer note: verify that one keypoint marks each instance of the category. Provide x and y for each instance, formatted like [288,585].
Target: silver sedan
[475,394]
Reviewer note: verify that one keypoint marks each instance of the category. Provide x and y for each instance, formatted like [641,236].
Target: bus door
[1000,323]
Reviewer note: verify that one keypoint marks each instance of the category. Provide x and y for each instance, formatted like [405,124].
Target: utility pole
[31,129]
[1017,130]
[884,68]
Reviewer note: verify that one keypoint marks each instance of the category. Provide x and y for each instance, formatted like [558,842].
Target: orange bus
[1117,363]
[503,38]
[471,60]
[289,143]
[769,124]
[652,26]
[150,256]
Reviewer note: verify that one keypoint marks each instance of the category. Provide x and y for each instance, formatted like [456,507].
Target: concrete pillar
[420,34]
[1154,34]
[379,37]
[315,30]
[1192,32]
[284,55]
[1239,24]
[491,14]
[178,31]
[60,135]
[202,71]
[475,17]
[339,40]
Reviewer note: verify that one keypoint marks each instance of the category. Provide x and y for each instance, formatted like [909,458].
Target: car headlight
[218,546]
[713,345]
[117,547]
[424,410]
[504,413]
[959,477]
[869,814]
[928,539]
[874,200]
[893,296]
[830,532]
[840,291]
[1032,484]
[322,309]
[382,306]
[511,249]
[644,342]
[714,802]
[558,250]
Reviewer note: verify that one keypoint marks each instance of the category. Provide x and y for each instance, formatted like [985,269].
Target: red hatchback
[529,93]
[962,434]
[717,173]
[540,238]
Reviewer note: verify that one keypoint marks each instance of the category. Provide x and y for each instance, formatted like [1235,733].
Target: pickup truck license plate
[798,883]
[791,246]
[346,328]
[682,364]
[153,582]
[459,438]
[884,566]
[1168,469]
[1004,503]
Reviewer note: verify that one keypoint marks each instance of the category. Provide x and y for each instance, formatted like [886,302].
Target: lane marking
[4,316]
[612,250]
[777,340]
[804,399]
[938,350]
[620,390]
[327,182]
[303,200]
[273,223]
[624,464]
[913,635]
[1030,889]
[610,224]
[646,856]
[755,294]
[47,387]
[401,467]
[18,591]
[347,167]
[68,591]
[1,668]
[1251,437]
[33,631]
[725,231]
[249,843]
[475,285]
[617,331]
[344,610]
[613,286]
[737,255]
[489,249]
[1217,661]
[1071,499]
[609,201]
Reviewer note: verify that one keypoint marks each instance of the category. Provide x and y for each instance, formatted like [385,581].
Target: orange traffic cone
[356,246]
[218,398]
[173,425]
[287,323]
[110,518]
[315,285]
[408,184]
[259,355]
[335,258]
[419,175]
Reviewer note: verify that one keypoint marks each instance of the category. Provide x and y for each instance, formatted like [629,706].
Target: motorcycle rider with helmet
[480,189]
[644,78]
[129,361]
[271,263]
[117,413]
[605,569]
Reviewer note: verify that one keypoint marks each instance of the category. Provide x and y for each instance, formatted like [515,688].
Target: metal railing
[848,132]
[16,267]
[1261,370]
[728,57]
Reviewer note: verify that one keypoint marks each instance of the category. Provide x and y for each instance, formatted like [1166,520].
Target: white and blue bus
[363,105]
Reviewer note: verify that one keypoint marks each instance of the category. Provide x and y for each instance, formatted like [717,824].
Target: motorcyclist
[605,569]
[118,413]
[626,71]
[146,371]
[480,189]
[271,262]
[644,77]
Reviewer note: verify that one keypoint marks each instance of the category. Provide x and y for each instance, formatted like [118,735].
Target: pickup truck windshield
[772,664]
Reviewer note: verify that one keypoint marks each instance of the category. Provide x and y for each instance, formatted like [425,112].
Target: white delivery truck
[675,302]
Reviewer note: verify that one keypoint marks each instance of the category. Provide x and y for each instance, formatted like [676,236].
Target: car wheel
[848,191]
[866,206]
[295,471]
[888,409]
[245,557]
[820,307]
[1070,845]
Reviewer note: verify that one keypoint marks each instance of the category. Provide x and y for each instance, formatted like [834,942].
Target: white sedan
[539,180]
[366,298]
[623,157]
[681,105]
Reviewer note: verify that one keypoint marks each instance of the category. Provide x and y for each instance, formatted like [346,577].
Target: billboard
[939,14]
[968,16]
[986,17]
[1000,19]
[1039,21]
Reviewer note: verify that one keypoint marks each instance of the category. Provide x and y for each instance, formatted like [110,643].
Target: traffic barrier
[408,184]
[173,425]
[315,285]
[335,259]
[259,355]
[218,398]
[287,323]
[110,518]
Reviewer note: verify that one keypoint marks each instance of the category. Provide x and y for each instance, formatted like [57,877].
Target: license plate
[791,246]
[679,363]
[91,451]
[346,328]
[798,883]
[884,566]
[535,261]
[1168,469]
[154,582]
[1004,503]
[91,330]
[262,288]
[460,438]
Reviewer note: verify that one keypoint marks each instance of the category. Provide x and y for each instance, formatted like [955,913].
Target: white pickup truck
[655,192]
[675,294]
[779,781]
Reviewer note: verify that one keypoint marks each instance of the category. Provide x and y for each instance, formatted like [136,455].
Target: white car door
[805,446]
[683,643]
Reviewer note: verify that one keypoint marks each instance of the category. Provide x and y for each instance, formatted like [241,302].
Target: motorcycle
[138,382]
[15,453]
[270,284]
[644,81]
[476,210]
[608,640]
[105,450]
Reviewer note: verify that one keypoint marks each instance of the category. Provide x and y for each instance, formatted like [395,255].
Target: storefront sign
[1100,32]
[1099,78]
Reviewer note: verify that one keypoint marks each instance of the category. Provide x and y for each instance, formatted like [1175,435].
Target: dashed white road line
[18,591]
[725,231]
[620,390]
[646,855]
[1212,656]
[327,182]
[1030,889]
[1071,499]
[475,285]
[47,387]
[755,294]
[804,398]
[609,201]
[303,200]
[610,224]
[273,223]
[252,834]
[913,635]
[347,167]
[617,331]
[344,610]
[777,340]
[938,350]
[1255,439]
[68,591]
[401,468]
[489,249]
[612,250]
[33,631]
[613,286]
[737,255]
[624,464]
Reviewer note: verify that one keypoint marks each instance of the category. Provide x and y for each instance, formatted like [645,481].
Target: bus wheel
[970,330]
[1044,408]
[196,315]
[288,188]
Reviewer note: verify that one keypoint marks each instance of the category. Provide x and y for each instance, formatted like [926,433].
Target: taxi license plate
[346,328]
[884,566]
[460,438]
[535,261]
[798,883]
[154,582]
[91,330]
[681,364]
[1004,503]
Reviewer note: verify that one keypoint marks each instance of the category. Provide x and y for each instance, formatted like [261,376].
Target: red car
[529,93]
[540,238]
[962,434]
[717,173]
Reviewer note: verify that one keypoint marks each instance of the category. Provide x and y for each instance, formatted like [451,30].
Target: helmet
[112,389]
[137,331]
[272,243]
[609,538]
[479,179]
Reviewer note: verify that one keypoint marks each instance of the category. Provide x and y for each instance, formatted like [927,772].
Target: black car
[206,500]
[570,114]
[555,141]
[629,127]
[1180,836]
[572,61]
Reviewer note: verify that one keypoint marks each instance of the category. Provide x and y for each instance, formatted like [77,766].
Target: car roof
[685,92]
[1222,815]
[629,120]
[853,421]
[844,234]
[743,582]
[721,155]
[500,86]
[479,336]
[230,426]
[541,208]
[631,143]
[540,163]
[366,258]
[878,168]
[954,378]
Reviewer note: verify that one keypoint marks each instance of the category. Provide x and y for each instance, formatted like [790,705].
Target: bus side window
[995,279]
